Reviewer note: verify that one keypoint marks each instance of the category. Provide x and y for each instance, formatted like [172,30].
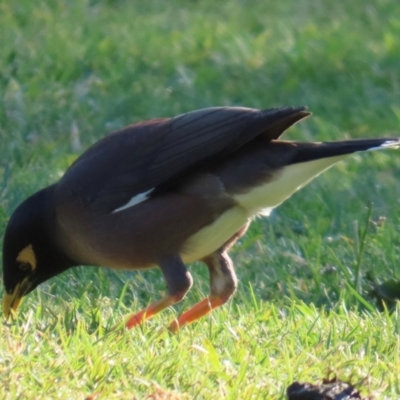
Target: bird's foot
[197,311]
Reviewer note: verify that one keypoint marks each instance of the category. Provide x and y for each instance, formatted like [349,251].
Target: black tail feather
[308,152]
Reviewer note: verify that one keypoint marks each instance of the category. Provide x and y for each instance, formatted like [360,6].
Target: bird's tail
[309,152]
[284,167]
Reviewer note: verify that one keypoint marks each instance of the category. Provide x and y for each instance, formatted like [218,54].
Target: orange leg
[178,282]
[197,311]
[148,312]
[223,284]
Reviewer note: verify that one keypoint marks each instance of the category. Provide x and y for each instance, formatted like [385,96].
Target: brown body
[165,193]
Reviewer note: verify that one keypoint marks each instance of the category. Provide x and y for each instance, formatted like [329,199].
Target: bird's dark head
[30,254]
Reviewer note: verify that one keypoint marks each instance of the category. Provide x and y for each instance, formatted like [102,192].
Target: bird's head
[30,255]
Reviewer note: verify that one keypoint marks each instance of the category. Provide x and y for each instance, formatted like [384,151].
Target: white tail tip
[389,144]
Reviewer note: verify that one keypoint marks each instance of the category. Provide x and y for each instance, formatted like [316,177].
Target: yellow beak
[13,300]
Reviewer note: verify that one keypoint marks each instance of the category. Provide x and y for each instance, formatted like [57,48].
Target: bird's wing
[140,158]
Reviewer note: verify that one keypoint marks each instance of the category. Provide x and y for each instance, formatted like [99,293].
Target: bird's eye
[24,266]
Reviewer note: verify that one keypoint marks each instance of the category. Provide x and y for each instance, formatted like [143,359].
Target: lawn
[71,72]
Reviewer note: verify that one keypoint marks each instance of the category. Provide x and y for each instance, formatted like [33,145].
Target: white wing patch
[135,200]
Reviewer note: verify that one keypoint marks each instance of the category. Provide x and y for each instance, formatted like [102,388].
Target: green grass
[72,71]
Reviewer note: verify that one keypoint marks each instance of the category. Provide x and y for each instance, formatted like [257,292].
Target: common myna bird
[165,193]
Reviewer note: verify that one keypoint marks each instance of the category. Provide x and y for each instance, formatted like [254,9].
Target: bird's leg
[178,282]
[223,284]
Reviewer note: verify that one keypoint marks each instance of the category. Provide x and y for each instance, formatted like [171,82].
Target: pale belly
[260,200]
[213,236]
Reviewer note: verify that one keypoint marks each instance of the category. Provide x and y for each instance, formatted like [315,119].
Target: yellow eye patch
[27,255]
